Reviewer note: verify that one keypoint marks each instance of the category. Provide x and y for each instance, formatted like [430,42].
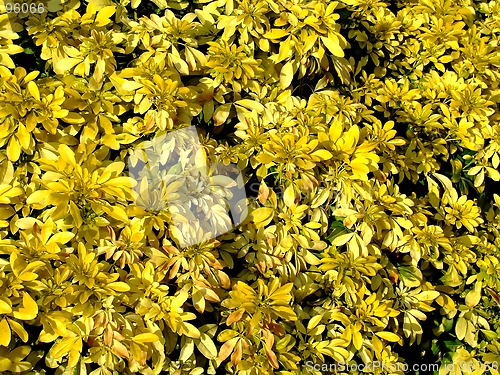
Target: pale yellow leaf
[342,239]
[332,44]
[206,346]
[262,216]
[119,286]
[286,75]
[145,337]
[221,114]
[389,336]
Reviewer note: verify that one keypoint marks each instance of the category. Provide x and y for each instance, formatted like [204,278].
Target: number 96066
[24,7]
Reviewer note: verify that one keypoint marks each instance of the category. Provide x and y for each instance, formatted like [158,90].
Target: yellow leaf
[389,336]
[179,64]
[358,169]
[110,141]
[250,104]
[289,196]
[75,214]
[461,328]
[102,18]
[332,43]
[74,356]
[91,8]
[199,302]
[193,56]
[262,216]
[73,118]
[276,34]
[186,350]
[428,295]
[322,154]
[313,225]
[5,307]
[265,158]
[19,353]
[116,212]
[286,75]
[121,182]
[122,85]
[23,135]
[67,155]
[119,286]
[314,321]
[227,334]
[190,330]
[61,237]
[113,168]
[445,181]
[342,239]
[145,337]
[285,312]
[206,346]
[13,149]
[310,258]
[493,174]
[162,4]
[283,292]
[18,329]
[64,65]
[29,310]
[221,114]
[63,347]
[357,340]
[474,296]
[5,364]
[99,4]
[33,90]
[4,333]
[285,50]
[136,350]
[7,192]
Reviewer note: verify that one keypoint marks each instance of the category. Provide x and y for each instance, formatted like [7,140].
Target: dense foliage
[369,137]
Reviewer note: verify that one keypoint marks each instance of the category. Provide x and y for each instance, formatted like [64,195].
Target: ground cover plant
[368,133]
